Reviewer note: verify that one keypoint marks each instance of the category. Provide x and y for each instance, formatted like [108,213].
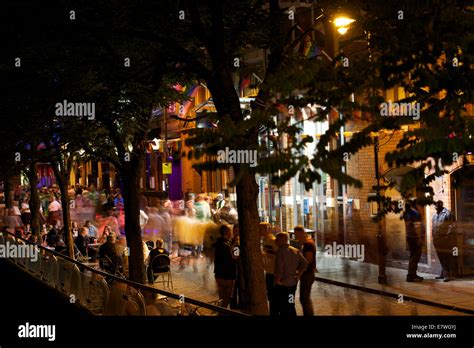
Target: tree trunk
[130,181]
[8,187]
[227,102]
[34,202]
[62,180]
[252,261]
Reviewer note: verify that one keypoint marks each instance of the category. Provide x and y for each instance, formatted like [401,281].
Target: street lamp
[343,23]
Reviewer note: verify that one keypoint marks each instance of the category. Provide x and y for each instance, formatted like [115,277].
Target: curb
[394,295]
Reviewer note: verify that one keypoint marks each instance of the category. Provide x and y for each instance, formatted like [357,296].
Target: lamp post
[382,278]
[342,24]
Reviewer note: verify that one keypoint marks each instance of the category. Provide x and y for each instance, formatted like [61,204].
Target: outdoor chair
[160,266]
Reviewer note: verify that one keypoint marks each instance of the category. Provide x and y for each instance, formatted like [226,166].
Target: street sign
[167,168]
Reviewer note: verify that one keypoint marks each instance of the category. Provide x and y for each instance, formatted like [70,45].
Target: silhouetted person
[444,239]
[289,266]
[81,240]
[225,269]
[415,233]
[308,248]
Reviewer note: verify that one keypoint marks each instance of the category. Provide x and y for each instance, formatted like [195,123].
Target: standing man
[225,268]
[444,239]
[415,233]
[308,248]
[290,264]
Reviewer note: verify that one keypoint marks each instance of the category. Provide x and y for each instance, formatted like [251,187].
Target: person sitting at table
[82,241]
[158,250]
[107,232]
[59,245]
[110,252]
[53,232]
[92,229]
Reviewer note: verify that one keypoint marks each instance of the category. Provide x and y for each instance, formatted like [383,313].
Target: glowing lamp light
[155,144]
[342,24]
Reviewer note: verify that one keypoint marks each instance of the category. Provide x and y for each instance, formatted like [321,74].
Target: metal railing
[103,293]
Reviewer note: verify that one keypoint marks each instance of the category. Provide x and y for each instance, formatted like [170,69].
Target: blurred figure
[105,233]
[25,212]
[54,210]
[203,209]
[228,213]
[111,252]
[143,220]
[220,201]
[11,221]
[444,239]
[269,250]
[92,229]
[308,248]
[53,232]
[82,241]
[414,237]
[289,266]
[154,226]
[166,214]
[74,229]
[225,269]
[118,201]
[190,207]
[239,294]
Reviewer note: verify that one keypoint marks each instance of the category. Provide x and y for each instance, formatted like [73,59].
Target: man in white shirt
[54,210]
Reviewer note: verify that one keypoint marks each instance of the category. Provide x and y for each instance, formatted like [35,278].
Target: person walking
[203,209]
[308,248]
[415,234]
[444,239]
[290,264]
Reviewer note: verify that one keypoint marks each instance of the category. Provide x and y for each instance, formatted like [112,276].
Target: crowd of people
[201,227]
[183,228]
[444,239]
[284,266]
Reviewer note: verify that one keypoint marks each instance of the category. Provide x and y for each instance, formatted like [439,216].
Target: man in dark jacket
[414,236]
[111,252]
[82,240]
[53,232]
[225,269]
[159,267]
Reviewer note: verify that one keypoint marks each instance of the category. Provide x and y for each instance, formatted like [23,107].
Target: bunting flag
[307,45]
[314,51]
[282,108]
[191,93]
[244,83]
[178,87]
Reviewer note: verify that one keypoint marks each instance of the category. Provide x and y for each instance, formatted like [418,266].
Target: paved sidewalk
[458,293]
[196,280]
